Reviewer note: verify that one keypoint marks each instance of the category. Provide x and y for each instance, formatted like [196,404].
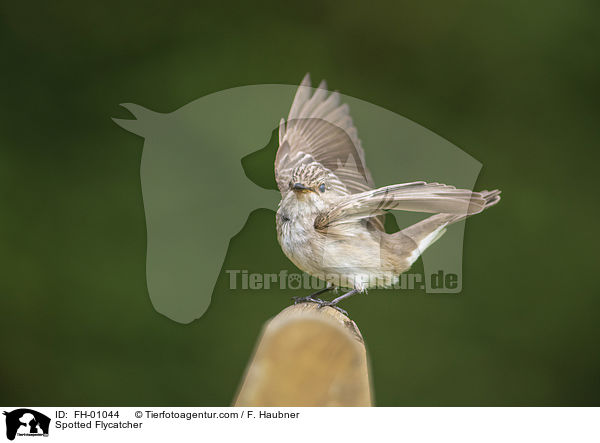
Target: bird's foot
[312,297]
[333,305]
[307,299]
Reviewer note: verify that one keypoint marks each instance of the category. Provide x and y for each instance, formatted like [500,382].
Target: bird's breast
[299,240]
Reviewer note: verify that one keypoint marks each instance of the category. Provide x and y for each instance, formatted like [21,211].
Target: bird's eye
[322,187]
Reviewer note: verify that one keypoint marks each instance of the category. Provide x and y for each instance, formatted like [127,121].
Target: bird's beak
[300,187]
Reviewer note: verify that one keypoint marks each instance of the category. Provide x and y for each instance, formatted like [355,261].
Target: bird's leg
[333,303]
[312,297]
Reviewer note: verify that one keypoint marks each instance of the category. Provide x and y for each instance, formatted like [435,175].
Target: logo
[209,164]
[26,422]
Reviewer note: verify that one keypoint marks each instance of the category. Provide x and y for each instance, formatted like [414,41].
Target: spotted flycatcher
[330,218]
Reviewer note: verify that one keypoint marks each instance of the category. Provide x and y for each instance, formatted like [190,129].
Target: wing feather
[416,196]
[320,129]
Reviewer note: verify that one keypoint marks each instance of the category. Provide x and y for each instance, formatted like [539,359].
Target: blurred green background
[511,83]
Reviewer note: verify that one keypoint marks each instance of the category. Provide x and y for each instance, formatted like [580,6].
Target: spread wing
[319,129]
[417,196]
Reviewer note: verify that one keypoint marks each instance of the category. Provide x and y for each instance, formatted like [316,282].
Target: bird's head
[312,188]
[310,182]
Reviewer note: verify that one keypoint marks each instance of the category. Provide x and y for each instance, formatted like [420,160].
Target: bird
[330,220]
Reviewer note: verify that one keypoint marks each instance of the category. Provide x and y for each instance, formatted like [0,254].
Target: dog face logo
[26,422]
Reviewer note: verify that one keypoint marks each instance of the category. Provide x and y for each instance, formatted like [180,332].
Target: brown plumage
[330,219]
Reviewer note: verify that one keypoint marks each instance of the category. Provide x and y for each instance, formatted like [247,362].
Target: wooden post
[306,356]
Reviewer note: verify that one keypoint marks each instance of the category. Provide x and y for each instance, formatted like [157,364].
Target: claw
[307,299]
[334,306]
